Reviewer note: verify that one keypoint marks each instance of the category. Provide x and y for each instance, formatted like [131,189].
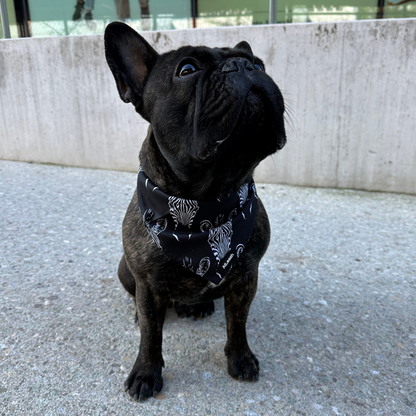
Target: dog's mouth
[257,119]
[230,126]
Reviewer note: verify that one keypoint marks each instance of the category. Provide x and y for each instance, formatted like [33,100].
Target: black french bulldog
[195,229]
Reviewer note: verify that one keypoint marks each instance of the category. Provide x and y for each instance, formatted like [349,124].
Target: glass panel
[333,11]
[212,13]
[78,17]
[247,12]
[14,33]
[399,9]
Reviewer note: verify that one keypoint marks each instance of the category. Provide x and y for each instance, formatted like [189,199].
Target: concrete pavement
[333,322]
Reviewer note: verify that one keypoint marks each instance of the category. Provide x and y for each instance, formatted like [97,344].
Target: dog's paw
[200,310]
[142,385]
[243,367]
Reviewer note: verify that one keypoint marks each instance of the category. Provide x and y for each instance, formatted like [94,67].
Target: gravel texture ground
[333,323]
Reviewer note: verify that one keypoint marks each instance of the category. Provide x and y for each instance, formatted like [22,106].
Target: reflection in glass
[79,17]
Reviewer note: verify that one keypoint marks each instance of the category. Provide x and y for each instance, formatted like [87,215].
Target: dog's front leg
[145,379]
[242,363]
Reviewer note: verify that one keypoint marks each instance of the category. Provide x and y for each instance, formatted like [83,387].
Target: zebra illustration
[183,211]
[240,249]
[219,239]
[243,194]
[253,188]
[203,266]
[155,229]
[187,263]
[219,236]
[233,214]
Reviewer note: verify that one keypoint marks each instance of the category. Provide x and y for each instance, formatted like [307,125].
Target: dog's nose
[237,64]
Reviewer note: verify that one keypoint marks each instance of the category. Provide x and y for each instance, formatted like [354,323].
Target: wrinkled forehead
[204,54]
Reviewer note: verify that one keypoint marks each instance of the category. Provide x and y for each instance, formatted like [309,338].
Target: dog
[195,229]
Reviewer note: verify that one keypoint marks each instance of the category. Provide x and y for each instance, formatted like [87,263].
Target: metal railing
[5,19]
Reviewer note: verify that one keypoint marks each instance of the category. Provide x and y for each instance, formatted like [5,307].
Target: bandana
[206,237]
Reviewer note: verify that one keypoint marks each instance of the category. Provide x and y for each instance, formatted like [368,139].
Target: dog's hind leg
[126,278]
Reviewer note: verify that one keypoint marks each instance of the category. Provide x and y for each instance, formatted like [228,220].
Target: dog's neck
[207,184]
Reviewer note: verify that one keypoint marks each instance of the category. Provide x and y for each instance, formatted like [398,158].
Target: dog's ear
[244,46]
[130,59]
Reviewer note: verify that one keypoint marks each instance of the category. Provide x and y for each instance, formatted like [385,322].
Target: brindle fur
[173,158]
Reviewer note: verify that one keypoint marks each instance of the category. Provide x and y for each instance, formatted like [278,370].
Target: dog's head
[212,110]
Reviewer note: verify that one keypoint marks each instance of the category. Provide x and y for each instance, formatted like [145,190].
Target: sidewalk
[333,323]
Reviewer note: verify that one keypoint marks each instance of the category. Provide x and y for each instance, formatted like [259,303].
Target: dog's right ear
[130,59]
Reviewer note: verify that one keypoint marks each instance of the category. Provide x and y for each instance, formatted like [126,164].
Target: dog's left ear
[244,46]
[130,59]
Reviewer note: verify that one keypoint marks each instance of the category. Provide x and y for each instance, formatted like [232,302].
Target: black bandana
[205,237]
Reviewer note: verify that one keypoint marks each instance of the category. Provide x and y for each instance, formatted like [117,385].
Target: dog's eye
[187,70]
[259,67]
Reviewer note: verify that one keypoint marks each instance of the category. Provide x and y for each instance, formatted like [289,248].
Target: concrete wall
[350,88]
